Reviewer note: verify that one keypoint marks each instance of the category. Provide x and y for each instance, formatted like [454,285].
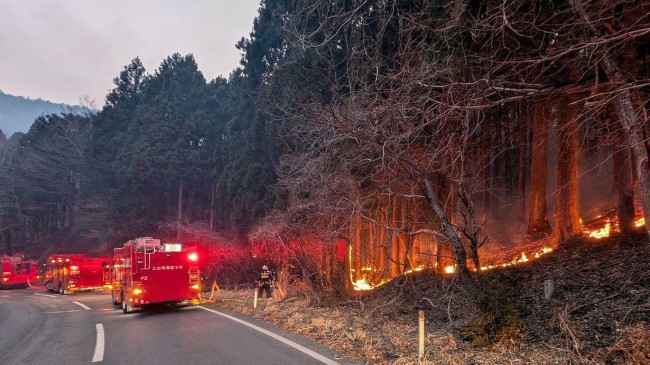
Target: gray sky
[61,50]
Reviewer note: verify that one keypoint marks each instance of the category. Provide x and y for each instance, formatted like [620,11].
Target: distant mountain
[17,113]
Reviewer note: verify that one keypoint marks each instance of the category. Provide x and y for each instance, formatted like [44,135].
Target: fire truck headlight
[5,279]
[137,291]
[195,286]
[193,256]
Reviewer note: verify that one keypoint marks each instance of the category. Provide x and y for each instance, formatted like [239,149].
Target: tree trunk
[381,240]
[356,247]
[403,237]
[568,211]
[537,215]
[213,197]
[523,157]
[624,185]
[460,255]
[633,125]
[632,121]
[394,239]
[179,217]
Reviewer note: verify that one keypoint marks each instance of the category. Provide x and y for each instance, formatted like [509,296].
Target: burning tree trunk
[624,185]
[403,237]
[632,120]
[394,239]
[356,245]
[537,215]
[633,124]
[568,213]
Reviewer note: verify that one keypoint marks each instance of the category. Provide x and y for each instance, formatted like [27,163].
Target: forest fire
[600,227]
[605,225]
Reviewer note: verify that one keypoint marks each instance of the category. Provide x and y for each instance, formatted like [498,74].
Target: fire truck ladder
[147,257]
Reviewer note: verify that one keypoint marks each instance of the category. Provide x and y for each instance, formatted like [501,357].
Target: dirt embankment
[599,312]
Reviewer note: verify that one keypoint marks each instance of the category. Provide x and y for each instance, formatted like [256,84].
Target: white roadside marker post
[255,299]
[421,336]
[549,288]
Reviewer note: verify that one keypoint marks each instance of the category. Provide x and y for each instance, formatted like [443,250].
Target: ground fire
[601,226]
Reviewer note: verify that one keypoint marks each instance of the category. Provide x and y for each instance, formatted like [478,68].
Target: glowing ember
[544,251]
[419,268]
[640,222]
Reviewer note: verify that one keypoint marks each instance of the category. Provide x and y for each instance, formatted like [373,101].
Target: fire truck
[17,272]
[146,272]
[68,273]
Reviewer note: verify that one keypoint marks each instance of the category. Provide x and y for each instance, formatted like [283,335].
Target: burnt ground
[599,312]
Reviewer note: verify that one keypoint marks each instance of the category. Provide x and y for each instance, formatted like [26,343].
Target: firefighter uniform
[264,282]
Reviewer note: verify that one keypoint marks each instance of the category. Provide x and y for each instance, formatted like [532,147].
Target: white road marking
[70,311]
[47,295]
[99,345]
[296,346]
[82,305]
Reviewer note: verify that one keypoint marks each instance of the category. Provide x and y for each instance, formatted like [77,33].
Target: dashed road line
[82,305]
[46,295]
[296,346]
[99,345]
[70,311]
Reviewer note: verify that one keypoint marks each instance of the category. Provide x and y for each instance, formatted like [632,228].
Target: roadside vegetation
[599,312]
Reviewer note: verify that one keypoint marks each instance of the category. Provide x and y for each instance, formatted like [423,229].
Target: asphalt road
[37,327]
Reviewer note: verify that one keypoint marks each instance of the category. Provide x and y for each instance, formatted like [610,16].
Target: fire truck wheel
[61,290]
[125,307]
[48,286]
[115,302]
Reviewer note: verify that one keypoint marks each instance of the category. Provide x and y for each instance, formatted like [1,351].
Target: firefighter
[264,282]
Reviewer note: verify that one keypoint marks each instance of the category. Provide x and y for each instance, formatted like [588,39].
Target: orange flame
[601,232]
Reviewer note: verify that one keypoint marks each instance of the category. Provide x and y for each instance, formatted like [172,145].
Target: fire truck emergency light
[193,256]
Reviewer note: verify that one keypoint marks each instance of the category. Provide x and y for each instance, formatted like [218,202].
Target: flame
[603,225]
[601,232]
[419,268]
[362,284]
[519,259]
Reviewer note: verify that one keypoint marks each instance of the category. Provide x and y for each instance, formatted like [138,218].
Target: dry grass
[599,314]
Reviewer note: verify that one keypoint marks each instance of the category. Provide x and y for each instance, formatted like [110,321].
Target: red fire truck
[17,272]
[146,272]
[77,272]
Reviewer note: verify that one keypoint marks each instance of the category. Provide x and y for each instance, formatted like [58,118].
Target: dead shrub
[632,346]
[497,319]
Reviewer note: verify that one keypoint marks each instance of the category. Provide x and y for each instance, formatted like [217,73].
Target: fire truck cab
[146,272]
[17,272]
[67,273]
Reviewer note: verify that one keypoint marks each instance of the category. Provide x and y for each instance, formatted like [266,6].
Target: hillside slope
[599,312]
[17,113]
